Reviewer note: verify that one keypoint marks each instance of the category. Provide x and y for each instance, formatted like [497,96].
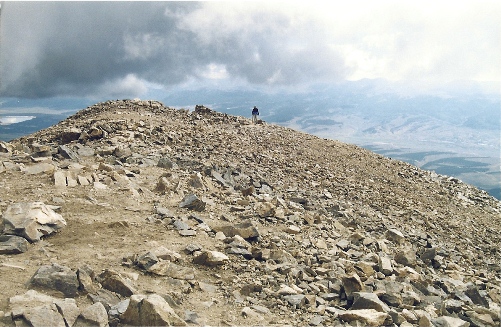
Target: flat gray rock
[57,277]
[12,244]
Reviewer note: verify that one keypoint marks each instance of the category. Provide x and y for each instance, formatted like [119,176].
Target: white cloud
[7,120]
[129,86]
[214,71]
[142,46]
[434,42]
[395,40]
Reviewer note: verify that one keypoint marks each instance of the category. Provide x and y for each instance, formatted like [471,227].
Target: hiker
[255,113]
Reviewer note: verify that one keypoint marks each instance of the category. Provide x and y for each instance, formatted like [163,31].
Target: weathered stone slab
[192,202]
[265,209]
[385,265]
[116,311]
[93,316]
[368,317]
[106,297]
[40,168]
[84,180]
[187,232]
[428,254]
[31,220]
[351,284]
[5,147]
[246,230]
[67,153]
[478,319]
[165,163]
[146,260]
[169,269]
[282,256]
[11,166]
[211,258]
[296,300]
[113,281]
[364,300]
[475,296]
[395,236]
[57,277]
[46,315]
[68,309]
[12,244]
[60,178]
[85,277]
[406,257]
[71,134]
[41,310]
[163,253]
[150,310]
[445,321]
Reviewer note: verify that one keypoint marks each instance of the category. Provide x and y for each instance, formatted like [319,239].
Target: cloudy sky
[111,49]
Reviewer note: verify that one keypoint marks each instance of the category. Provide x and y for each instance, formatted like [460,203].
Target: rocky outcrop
[177,217]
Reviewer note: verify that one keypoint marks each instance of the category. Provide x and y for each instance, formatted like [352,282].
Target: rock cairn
[133,213]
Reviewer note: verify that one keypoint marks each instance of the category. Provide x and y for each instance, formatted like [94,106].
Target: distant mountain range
[450,134]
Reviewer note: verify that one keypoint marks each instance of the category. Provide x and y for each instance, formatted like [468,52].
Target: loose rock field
[133,213]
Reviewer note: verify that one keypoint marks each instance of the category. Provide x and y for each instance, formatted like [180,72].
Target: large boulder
[12,244]
[150,310]
[40,310]
[31,220]
[57,277]
[93,316]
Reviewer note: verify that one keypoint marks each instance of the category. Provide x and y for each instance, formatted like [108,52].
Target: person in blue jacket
[255,113]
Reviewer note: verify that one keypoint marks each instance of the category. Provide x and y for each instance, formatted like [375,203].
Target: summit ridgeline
[133,213]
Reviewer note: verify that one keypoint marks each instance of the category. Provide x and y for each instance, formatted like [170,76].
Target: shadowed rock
[113,281]
[57,277]
[11,244]
[192,202]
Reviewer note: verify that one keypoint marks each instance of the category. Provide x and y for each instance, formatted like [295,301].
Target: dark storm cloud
[58,48]
[85,48]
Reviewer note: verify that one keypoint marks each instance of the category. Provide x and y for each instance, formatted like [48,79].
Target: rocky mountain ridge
[157,216]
